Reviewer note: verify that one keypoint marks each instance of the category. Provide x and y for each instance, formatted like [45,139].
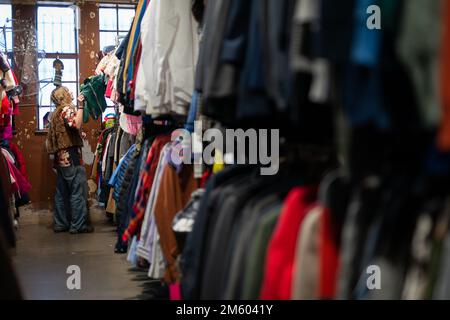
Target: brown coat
[173,194]
[60,136]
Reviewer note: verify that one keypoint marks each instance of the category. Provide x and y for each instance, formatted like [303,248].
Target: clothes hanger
[325,185]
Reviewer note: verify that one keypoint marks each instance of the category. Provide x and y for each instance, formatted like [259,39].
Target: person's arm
[80,112]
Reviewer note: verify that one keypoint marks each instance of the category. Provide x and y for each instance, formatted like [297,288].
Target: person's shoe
[60,230]
[121,247]
[88,229]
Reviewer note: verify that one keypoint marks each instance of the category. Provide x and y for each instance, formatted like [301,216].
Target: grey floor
[42,258]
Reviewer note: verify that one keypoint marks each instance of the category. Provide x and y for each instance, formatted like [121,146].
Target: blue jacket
[118,175]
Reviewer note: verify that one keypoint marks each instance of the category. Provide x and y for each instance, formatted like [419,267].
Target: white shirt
[170,40]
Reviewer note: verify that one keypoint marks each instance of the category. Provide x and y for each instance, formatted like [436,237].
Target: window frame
[53,55]
[116,7]
[9,51]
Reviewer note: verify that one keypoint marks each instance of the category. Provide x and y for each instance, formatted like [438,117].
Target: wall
[89,44]
[32,143]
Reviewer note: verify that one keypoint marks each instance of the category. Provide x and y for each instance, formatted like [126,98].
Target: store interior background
[28,137]
[40,260]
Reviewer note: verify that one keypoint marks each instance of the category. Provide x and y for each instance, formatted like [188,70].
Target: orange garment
[173,194]
[444,132]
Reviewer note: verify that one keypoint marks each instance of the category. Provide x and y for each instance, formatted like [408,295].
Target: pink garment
[22,185]
[130,124]
[6,132]
[108,91]
[175,292]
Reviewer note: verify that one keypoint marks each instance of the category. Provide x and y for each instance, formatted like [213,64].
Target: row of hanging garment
[149,77]
[153,190]
[15,184]
[156,81]
[119,71]
[282,238]
[113,143]
[18,185]
[119,130]
[379,99]
[14,188]
[315,71]
[10,287]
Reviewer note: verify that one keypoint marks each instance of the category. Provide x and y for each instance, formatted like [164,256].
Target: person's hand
[80,98]
[83,135]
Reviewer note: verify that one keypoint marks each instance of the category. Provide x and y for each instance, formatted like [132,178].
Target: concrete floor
[42,258]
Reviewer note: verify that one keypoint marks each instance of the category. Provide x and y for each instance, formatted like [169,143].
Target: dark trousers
[71,199]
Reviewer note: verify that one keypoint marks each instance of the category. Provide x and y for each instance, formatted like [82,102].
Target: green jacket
[93,90]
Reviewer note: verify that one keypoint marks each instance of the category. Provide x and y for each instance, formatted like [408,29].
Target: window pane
[43,112]
[5,37]
[107,39]
[122,35]
[74,89]
[6,40]
[46,91]
[56,29]
[9,41]
[125,19]
[108,19]
[47,73]
[5,14]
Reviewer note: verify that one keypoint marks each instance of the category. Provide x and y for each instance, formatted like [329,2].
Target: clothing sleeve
[236,33]
[161,24]
[69,114]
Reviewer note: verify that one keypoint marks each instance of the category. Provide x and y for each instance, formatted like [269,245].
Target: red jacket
[20,159]
[280,258]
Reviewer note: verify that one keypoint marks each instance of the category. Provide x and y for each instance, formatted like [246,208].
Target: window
[115,22]
[6,39]
[57,38]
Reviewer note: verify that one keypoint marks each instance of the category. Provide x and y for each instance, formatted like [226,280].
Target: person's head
[62,96]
